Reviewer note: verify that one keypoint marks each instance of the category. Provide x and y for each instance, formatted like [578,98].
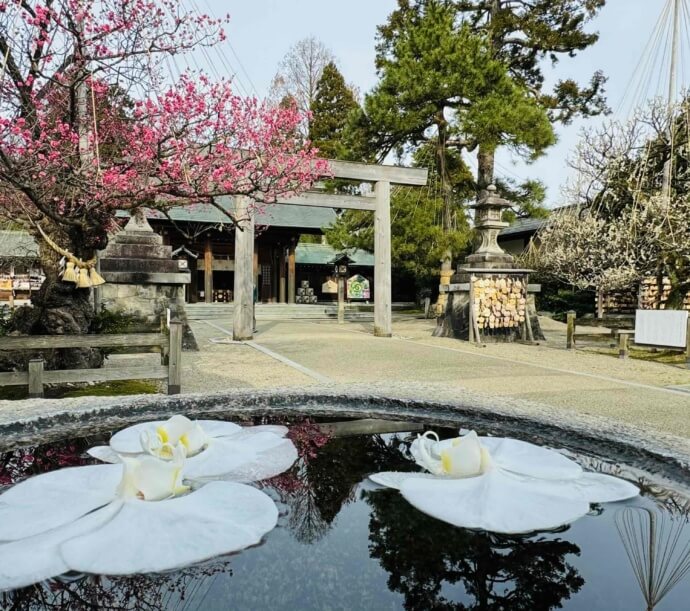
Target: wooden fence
[621,337]
[170,347]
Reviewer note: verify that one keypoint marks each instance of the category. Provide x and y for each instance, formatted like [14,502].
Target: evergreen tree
[332,105]
[520,35]
[440,86]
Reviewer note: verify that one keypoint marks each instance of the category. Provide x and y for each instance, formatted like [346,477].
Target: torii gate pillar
[243,312]
[383,317]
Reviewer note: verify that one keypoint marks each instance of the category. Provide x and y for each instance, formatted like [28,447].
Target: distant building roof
[17,245]
[323,254]
[523,226]
[273,215]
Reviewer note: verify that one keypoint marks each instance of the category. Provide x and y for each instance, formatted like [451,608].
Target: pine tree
[441,86]
[331,108]
[520,35]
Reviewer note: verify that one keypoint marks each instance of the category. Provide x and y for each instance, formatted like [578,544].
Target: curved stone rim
[666,457]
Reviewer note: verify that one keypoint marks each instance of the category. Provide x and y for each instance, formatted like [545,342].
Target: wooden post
[383,320]
[36,378]
[175,358]
[282,279]
[600,304]
[623,345]
[528,306]
[243,313]
[570,331]
[208,271]
[292,280]
[341,299]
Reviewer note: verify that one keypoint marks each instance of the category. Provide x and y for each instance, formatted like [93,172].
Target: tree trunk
[447,261]
[485,167]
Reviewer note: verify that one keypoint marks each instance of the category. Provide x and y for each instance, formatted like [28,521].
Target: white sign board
[661,328]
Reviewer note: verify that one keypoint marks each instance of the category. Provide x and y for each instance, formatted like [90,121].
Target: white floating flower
[501,485]
[135,517]
[215,449]
[117,519]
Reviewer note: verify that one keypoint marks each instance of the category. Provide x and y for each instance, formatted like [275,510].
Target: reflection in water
[658,547]
[323,481]
[426,559]
[181,590]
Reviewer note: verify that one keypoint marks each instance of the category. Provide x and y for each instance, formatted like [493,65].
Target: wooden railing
[170,347]
[619,337]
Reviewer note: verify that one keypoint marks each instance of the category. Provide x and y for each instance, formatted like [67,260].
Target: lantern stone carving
[488,214]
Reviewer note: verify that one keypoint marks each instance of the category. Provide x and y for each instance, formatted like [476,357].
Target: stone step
[274,312]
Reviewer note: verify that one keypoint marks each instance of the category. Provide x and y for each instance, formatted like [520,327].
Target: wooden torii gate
[382,176]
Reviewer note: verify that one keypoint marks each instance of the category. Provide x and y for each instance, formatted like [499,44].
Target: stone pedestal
[489,300]
[142,278]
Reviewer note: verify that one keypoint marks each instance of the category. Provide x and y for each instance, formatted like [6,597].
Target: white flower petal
[31,560]
[219,428]
[267,464]
[144,537]
[493,502]
[127,441]
[395,479]
[276,429]
[194,440]
[151,478]
[54,499]
[464,456]
[591,487]
[174,428]
[528,459]
[243,458]
[104,454]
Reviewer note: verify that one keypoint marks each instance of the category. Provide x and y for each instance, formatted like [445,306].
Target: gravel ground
[544,380]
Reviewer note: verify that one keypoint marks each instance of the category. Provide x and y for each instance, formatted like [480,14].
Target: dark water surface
[344,543]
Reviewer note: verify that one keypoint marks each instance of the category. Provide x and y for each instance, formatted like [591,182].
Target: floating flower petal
[517,487]
[494,502]
[230,452]
[36,558]
[54,499]
[220,518]
[128,440]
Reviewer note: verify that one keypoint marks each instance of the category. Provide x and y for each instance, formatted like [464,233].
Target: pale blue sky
[261,32]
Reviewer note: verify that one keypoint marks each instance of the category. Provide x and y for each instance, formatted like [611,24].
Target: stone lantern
[488,215]
[489,300]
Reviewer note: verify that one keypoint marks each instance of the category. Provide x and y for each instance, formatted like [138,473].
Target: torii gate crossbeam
[382,176]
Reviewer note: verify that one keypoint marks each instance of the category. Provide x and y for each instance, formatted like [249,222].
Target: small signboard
[358,287]
[330,287]
[667,328]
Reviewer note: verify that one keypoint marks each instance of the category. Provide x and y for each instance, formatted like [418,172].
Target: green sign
[358,288]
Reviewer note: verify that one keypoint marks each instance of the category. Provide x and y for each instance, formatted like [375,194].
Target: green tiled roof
[523,226]
[323,254]
[17,245]
[275,215]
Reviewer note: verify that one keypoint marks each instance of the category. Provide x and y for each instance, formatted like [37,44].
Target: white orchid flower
[501,485]
[177,431]
[215,449]
[153,479]
[135,517]
[464,457]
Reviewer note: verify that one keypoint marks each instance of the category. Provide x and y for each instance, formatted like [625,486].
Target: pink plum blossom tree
[90,126]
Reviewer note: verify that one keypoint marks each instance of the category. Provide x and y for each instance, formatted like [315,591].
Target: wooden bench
[170,345]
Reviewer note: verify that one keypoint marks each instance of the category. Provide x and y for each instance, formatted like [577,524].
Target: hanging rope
[80,272]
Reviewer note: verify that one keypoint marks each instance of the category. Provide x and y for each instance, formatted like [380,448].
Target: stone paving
[650,396]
